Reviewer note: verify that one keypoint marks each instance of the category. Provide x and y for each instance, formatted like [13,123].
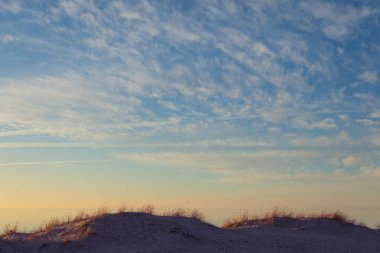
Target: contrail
[44,144]
[53,162]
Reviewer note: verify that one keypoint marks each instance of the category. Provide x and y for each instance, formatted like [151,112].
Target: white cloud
[316,141]
[70,7]
[336,12]
[366,122]
[344,117]
[327,123]
[337,19]
[7,38]
[152,74]
[335,31]
[12,6]
[187,85]
[179,32]
[15,145]
[274,130]
[18,133]
[369,76]
[375,139]
[130,15]
[370,172]
[375,115]
[18,164]
[142,73]
[43,105]
[364,96]
[247,177]
[222,162]
[169,105]
[340,140]
[350,160]
[260,49]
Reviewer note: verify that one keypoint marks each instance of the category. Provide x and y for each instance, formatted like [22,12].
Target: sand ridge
[141,232]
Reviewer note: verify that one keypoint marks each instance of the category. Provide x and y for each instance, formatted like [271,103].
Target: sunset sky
[216,105]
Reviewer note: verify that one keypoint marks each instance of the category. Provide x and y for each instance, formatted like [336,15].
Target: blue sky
[227,95]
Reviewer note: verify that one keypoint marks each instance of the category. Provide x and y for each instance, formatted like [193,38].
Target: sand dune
[140,232]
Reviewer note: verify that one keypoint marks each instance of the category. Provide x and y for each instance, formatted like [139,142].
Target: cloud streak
[23,164]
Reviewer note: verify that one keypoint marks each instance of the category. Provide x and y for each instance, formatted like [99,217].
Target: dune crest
[142,232]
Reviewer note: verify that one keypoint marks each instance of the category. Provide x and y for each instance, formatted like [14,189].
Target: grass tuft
[53,223]
[100,212]
[81,215]
[85,219]
[237,221]
[148,209]
[9,230]
[122,209]
[180,212]
[197,215]
[338,216]
[270,217]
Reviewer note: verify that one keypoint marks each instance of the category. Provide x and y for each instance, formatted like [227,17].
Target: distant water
[28,219]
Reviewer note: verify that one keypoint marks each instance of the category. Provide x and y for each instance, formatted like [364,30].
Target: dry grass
[81,232]
[338,216]
[86,231]
[270,217]
[197,215]
[9,230]
[100,212]
[236,221]
[176,213]
[49,225]
[79,226]
[53,223]
[180,212]
[122,209]
[56,222]
[149,209]
[83,216]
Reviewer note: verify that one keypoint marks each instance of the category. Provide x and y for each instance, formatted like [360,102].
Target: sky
[216,105]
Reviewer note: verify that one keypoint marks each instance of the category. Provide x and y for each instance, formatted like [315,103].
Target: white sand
[137,232]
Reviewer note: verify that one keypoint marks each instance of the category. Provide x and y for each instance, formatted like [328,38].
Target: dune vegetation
[145,229]
[87,217]
[270,217]
[240,220]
